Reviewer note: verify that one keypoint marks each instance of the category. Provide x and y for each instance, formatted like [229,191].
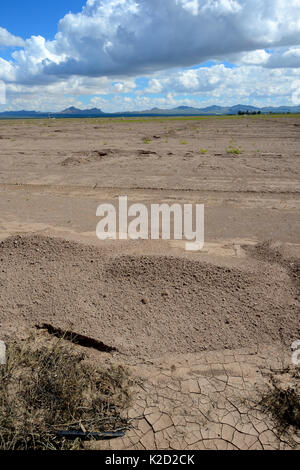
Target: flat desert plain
[203,334]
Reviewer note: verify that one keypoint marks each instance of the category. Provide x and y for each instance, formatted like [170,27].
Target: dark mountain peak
[73,110]
[184,107]
[94,110]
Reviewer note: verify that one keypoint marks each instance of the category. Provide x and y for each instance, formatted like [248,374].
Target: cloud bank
[120,40]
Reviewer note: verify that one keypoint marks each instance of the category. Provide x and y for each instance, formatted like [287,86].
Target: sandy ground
[202,331]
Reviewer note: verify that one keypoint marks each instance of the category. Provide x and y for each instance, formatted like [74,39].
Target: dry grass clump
[283,403]
[46,389]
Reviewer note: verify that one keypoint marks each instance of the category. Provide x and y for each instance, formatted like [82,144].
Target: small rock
[165,293]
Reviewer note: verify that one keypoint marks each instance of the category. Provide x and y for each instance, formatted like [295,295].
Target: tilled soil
[144,305]
[155,153]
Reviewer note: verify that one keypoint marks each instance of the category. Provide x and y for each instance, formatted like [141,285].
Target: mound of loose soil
[144,305]
[86,157]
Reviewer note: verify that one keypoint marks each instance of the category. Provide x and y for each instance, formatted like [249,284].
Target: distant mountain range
[179,111]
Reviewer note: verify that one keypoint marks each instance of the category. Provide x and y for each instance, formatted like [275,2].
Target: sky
[126,55]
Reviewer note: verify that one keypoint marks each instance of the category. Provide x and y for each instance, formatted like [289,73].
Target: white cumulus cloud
[110,43]
[9,40]
[130,37]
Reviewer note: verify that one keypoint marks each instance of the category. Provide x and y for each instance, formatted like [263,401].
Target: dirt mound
[277,253]
[79,158]
[71,161]
[144,305]
[145,153]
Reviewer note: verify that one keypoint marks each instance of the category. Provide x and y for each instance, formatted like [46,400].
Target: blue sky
[33,17]
[137,54]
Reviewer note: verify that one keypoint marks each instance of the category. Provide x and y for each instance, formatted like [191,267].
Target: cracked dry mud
[201,333]
[205,401]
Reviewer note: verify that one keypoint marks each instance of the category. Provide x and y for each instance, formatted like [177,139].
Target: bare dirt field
[204,334]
